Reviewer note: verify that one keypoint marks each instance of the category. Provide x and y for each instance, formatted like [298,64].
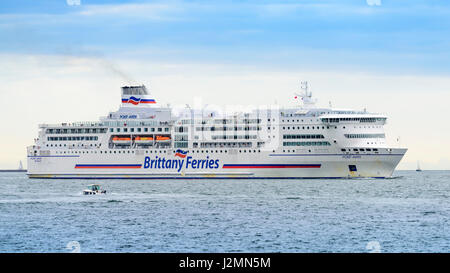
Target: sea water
[408,213]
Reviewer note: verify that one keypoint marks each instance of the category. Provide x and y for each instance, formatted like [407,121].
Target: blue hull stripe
[108,165]
[53,156]
[240,178]
[334,154]
[271,166]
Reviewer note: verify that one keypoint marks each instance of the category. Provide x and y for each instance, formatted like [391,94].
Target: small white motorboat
[94,189]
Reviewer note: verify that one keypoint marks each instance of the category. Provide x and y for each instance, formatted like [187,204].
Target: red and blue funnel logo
[180,153]
[136,101]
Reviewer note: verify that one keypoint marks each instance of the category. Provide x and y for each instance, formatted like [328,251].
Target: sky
[65,60]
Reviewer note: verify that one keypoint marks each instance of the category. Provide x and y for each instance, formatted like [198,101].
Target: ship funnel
[136,96]
[134,90]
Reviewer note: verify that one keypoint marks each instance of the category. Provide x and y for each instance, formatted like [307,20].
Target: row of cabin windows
[76,131]
[151,152]
[307,143]
[73,145]
[307,127]
[201,151]
[223,144]
[232,121]
[138,130]
[321,113]
[235,128]
[292,151]
[374,126]
[318,127]
[365,135]
[210,151]
[302,136]
[250,151]
[177,145]
[337,120]
[73,138]
[108,152]
[234,137]
[298,120]
[360,150]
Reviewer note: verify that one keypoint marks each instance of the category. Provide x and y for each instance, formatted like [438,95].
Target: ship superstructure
[144,140]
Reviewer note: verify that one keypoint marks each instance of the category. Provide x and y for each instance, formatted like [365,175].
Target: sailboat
[418,167]
[20,166]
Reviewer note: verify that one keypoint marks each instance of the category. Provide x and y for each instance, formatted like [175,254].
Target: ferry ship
[143,140]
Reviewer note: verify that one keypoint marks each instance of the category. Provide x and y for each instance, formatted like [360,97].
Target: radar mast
[306,96]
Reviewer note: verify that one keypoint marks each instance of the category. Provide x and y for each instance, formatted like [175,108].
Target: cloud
[149,11]
[373,2]
[73,2]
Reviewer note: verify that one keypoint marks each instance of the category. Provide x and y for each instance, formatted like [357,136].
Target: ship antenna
[305,96]
[304,87]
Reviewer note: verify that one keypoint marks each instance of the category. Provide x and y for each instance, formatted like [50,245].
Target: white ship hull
[260,165]
[299,142]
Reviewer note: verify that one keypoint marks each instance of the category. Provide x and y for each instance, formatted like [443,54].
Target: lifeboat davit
[121,140]
[143,140]
[162,139]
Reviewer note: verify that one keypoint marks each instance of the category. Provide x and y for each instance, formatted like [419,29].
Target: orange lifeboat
[162,138]
[143,140]
[121,140]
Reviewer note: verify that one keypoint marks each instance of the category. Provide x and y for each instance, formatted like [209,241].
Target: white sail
[418,167]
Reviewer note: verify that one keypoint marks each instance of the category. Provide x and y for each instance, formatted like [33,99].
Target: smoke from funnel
[116,71]
[100,60]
